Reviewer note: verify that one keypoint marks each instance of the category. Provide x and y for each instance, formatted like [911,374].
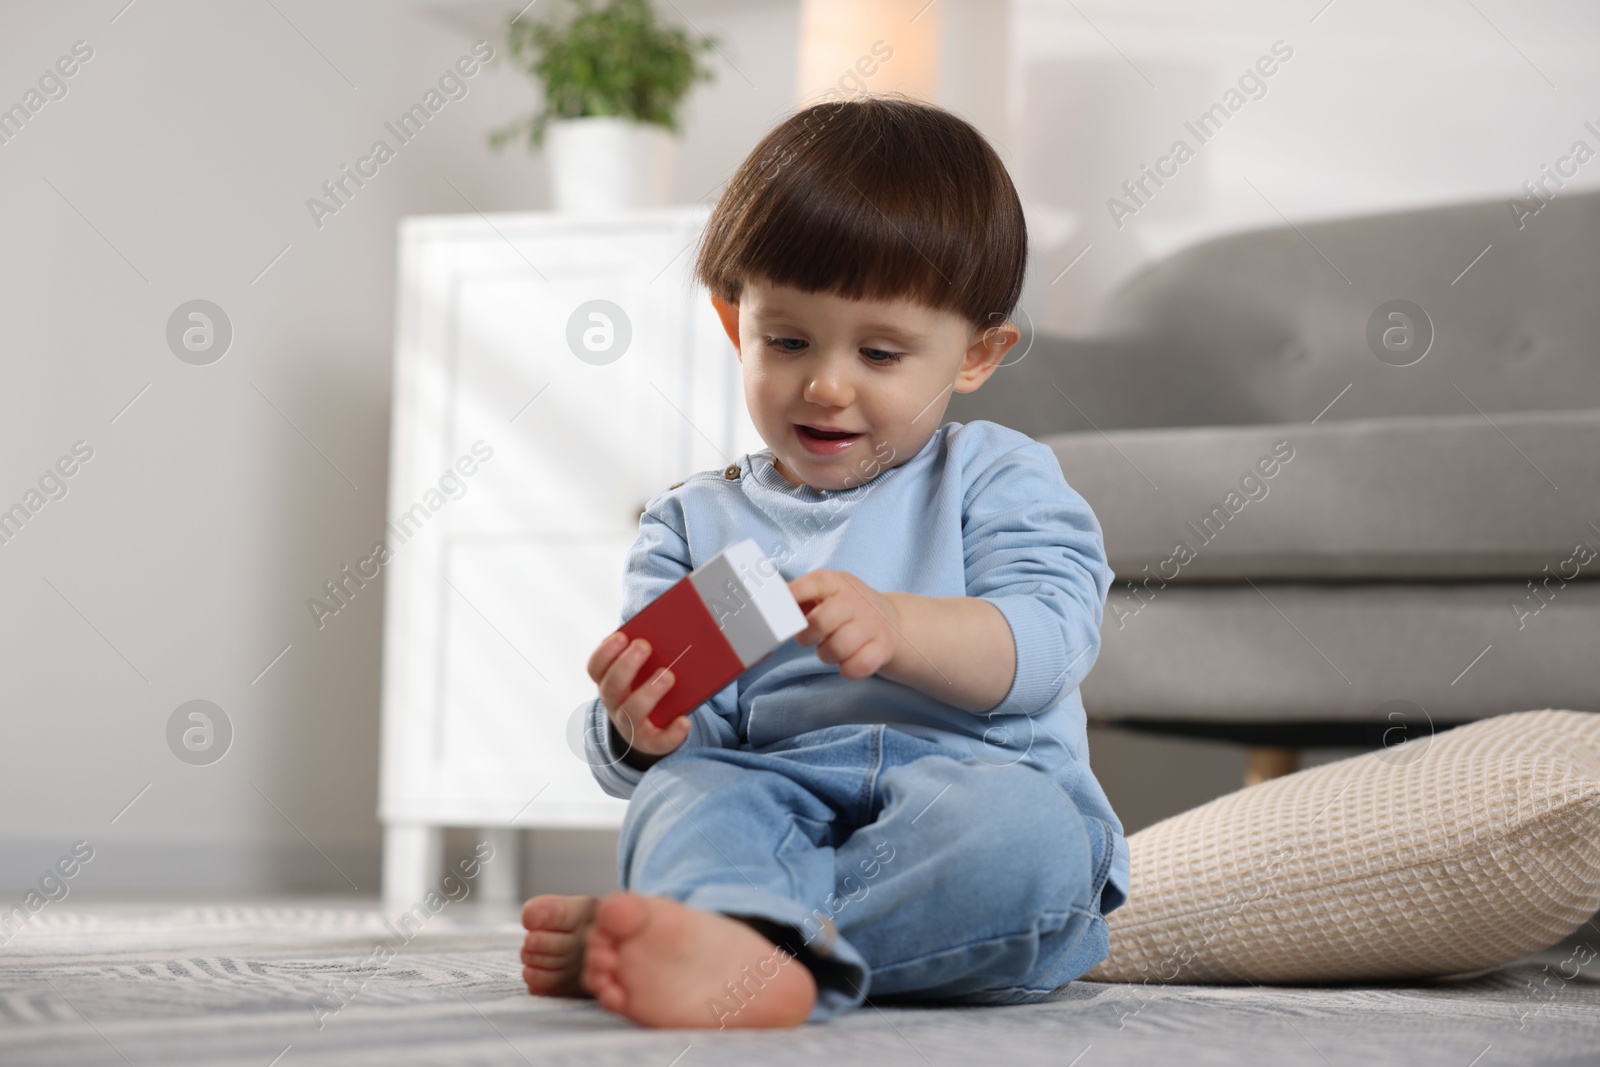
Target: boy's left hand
[851,623]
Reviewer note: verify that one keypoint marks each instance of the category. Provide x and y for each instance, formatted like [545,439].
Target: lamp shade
[872,46]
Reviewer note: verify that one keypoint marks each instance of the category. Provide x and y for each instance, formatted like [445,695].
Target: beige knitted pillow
[1462,851]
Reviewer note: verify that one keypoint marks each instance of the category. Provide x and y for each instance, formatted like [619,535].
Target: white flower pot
[609,164]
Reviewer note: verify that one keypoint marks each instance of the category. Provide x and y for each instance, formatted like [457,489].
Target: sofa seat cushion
[1286,651]
[1404,498]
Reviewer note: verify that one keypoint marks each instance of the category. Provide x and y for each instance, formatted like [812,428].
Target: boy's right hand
[613,665]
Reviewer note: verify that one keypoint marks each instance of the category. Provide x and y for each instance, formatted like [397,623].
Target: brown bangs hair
[873,198]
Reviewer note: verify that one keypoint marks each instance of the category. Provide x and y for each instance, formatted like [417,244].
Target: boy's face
[819,360]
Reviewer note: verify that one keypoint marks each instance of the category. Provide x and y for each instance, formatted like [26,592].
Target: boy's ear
[985,355]
[729,314]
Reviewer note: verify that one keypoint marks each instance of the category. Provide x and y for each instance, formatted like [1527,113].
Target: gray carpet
[88,984]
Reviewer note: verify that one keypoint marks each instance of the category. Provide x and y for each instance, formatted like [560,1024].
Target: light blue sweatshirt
[982,510]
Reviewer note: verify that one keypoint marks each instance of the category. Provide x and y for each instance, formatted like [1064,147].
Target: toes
[620,916]
[601,959]
[596,938]
[601,984]
[539,963]
[593,981]
[598,971]
[551,911]
[553,949]
[613,998]
[546,983]
[550,947]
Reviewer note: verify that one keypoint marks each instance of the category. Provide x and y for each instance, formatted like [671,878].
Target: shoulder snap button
[732,472]
[674,485]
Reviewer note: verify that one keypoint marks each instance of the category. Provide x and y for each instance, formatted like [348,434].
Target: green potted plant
[613,79]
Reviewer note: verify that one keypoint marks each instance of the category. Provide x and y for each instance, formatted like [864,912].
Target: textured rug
[294,986]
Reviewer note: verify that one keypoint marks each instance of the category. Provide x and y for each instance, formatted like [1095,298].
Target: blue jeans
[906,871]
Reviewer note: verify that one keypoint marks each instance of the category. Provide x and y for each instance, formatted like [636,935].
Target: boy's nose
[829,384]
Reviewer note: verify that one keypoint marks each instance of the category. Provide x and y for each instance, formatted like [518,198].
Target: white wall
[177,567]
[178,166]
[1381,106]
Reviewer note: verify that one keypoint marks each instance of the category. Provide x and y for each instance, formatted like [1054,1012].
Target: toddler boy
[898,803]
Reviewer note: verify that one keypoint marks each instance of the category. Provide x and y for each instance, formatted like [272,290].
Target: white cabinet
[505,572]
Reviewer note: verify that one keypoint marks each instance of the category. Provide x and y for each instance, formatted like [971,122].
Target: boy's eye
[795,344]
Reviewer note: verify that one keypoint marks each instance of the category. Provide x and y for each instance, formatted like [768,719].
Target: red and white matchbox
[720,619]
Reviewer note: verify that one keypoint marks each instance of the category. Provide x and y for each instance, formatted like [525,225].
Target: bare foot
[552,953]
[661,963]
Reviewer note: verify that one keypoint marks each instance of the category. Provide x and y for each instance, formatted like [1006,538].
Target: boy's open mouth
[828,435]
[824,442]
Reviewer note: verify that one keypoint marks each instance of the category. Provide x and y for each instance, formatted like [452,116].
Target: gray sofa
[1425,550]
